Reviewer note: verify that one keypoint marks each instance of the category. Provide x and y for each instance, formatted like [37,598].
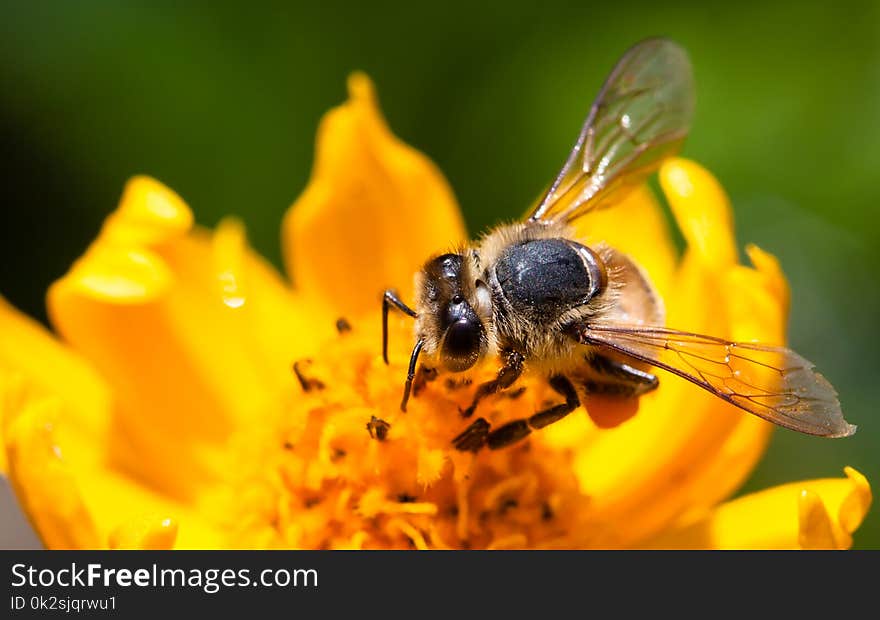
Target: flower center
[349,469]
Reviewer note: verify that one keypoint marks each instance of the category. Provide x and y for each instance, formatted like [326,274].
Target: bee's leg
[514,431]
[509,373]
[390,299]
[411,373]
[614,378]
[473,437]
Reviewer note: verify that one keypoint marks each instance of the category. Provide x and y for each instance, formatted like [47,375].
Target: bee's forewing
[771,382]
[642,114]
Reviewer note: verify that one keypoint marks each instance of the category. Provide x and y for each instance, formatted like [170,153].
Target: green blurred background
[222,104]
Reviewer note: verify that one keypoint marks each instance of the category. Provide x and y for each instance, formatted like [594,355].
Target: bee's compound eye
[596,269]
[462,344]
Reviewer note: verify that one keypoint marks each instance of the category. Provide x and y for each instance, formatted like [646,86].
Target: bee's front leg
[507,376]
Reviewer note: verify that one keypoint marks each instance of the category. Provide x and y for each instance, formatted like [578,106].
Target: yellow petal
[120,275]
[148,532]
[75,499]
[118,504]
[167,413]
[60,469]
[815,528]
[284,328]
[701,208]
[815,514]
[48,367]
[43,483]
[374,210]
[149,213]
[855,505]
[180,371]
[182,351]
[774,280]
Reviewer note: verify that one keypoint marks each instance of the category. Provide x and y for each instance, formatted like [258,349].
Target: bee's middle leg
[516,430]
[478,434]
[507,376]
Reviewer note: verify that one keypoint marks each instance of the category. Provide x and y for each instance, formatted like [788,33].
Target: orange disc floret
[351,470]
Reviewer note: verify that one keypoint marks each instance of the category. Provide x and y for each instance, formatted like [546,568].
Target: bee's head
[453,306]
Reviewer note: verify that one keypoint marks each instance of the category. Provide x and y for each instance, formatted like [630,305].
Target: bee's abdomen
[543,278]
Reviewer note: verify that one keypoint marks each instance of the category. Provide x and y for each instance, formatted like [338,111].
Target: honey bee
[587,317]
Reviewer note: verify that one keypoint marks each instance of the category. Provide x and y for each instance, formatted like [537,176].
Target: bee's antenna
[412,372]
[391,299]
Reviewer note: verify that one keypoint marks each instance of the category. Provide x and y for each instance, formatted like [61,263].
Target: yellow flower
[168,414]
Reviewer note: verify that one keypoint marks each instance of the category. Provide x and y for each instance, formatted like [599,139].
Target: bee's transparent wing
[642,115]
[771,382]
